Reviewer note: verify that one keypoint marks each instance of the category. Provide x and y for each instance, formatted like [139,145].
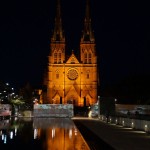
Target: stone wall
[53,110]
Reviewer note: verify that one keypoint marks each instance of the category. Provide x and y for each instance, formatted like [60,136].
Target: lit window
[88,76]
[55,57]
[90,58]
[57,75]
[59,58]
[85,58]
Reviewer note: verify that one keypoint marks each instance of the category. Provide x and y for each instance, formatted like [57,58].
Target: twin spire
[58,35]
[88,35]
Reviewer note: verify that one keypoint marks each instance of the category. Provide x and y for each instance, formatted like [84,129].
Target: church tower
[72,80]
[89,60]
[57,54]
[57,46]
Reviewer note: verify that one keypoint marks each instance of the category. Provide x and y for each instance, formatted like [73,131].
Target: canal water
[40,134]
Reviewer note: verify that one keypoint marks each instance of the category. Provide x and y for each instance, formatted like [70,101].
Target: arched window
[59,58]
[55,58]
[90,58]
[88,76]
[85,58]
[57,74]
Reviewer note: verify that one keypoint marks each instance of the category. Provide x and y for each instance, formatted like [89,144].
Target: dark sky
[122,32]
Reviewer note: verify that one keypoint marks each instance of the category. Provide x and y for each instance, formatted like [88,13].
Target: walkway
[118,137]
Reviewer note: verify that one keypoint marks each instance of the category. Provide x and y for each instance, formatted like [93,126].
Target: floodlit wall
[53,110]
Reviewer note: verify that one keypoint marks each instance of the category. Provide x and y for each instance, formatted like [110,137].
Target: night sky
[122,33]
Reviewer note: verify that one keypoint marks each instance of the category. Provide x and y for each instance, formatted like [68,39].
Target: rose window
[72,74]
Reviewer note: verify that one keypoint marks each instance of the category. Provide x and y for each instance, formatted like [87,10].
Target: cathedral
[72,80]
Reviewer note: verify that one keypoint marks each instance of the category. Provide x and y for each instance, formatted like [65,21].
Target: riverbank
[118,137]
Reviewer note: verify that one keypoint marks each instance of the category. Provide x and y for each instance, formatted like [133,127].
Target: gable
[72,60]
[71,92]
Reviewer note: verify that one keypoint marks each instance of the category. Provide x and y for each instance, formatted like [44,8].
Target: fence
[137,124]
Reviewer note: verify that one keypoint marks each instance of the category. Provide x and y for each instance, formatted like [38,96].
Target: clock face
[72,74]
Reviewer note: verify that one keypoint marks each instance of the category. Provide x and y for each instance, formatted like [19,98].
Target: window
[57,75]
[85,58]
[55,58]
[59,58]
[72,74]
[88,76]
[90,58]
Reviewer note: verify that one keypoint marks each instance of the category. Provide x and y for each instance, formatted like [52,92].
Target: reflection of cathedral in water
[40,134]
[60,133]
[72,80]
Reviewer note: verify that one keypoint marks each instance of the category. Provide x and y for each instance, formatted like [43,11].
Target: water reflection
[60,134]
[40,134]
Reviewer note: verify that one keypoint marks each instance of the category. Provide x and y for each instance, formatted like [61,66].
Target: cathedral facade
[71,80]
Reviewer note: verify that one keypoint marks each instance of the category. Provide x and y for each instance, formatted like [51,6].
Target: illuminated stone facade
[72,80]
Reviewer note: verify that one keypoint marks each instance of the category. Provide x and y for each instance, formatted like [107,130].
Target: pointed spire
[87,15]
[88,35]
[58,32]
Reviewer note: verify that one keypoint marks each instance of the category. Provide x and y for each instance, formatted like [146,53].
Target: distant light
[132,125]
[110,119]
[75,131]
[90,114]
[7,83]
[123,122]
[146,128]
[53,133]
[70,133]
[15,131]
[4,91]
[12,88]
[116,121]
[2,137]
[11,135]
[5,139]
[35,133]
